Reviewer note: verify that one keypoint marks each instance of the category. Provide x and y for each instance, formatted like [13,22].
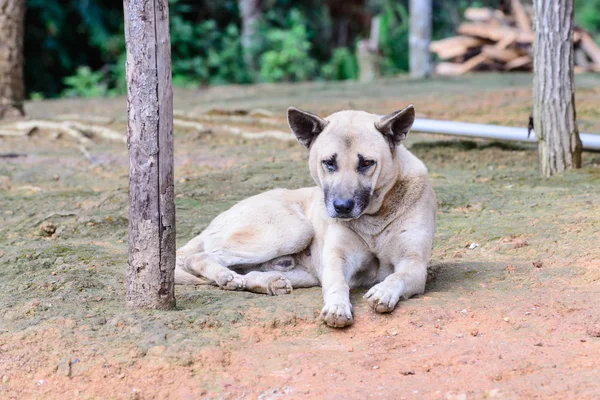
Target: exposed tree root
[187,124]
[82,133]
[279,135]
[253,117]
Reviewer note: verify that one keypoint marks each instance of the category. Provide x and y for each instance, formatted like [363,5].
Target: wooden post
[150,276]
[250,12]
[12,88]
[419,38]
[559,145]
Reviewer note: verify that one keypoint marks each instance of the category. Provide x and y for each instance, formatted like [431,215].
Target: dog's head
[352,156]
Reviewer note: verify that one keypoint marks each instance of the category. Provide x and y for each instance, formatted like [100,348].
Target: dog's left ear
[306,126]
[396,125]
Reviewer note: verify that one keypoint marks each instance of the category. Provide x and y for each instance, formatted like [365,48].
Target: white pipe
[495,132]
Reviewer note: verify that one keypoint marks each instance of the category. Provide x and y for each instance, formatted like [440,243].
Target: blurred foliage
[77,47]
[393,37]
[587,15]
[287,50]
[85,83]
[341,66]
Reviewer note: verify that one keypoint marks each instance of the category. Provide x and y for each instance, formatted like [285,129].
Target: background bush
[81,41]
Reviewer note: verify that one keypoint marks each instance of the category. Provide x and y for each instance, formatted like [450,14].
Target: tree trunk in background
[12,87]
[150,275]
[367,55]
[419,38]
[250,11]
[555,126]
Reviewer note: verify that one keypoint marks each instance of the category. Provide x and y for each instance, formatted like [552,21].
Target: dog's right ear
[306,126]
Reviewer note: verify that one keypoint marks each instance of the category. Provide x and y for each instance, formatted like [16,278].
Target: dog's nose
[343,206]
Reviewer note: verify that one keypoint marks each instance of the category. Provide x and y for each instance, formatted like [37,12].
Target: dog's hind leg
[271,282]
[183,277]
[203,264]
[279,276]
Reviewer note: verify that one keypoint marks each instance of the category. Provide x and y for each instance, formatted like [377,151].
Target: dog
[369,222]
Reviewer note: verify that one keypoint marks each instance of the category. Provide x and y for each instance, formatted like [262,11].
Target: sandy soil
[517,317]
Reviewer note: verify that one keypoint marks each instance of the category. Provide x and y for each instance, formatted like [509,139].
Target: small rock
[135,395]
[456,396]
[473,246]
[376,367]
[594,330]
[408,372]
[474,332]
[5,379]
[48,228]
[538,264]
[156,350]
[538,344]
[506,319]
[520,243]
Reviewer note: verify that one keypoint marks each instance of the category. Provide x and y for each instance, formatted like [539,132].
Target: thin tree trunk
[367,54]
[250,11]
[150,275]
[559,146]
[12,87]
[420,38]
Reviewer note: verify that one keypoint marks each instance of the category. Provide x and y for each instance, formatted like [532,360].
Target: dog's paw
[279,285]
[229,280]
[383,297]
[337,315]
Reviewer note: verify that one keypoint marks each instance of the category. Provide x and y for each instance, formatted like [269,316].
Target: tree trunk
[367,54]
[150,275]
[559,146]
[420,38]
[250,11]
[12,88]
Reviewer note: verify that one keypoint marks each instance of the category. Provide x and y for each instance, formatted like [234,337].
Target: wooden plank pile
[495,40]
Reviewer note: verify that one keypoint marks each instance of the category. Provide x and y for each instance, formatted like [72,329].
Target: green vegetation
[78,46]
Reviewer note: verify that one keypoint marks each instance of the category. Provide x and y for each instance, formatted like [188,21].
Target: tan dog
[369,222]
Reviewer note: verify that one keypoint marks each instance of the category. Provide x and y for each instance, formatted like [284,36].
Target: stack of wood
[495,40]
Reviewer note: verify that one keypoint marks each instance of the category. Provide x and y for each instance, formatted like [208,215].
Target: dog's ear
[306,126]
[396,125]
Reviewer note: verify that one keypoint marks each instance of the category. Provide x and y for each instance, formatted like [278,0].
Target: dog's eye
[364,165]
[330,164]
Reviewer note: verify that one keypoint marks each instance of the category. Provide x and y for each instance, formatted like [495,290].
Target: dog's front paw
[229,280]
[337,315]
[383,297]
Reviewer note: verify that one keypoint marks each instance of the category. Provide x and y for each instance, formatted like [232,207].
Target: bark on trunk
[555,126]
[420,38]
[250,11]
[12,88]
[150,276]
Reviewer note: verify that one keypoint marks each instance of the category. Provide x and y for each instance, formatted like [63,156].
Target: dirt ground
[517,317]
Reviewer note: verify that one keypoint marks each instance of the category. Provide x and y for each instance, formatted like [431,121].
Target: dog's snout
[343,206]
